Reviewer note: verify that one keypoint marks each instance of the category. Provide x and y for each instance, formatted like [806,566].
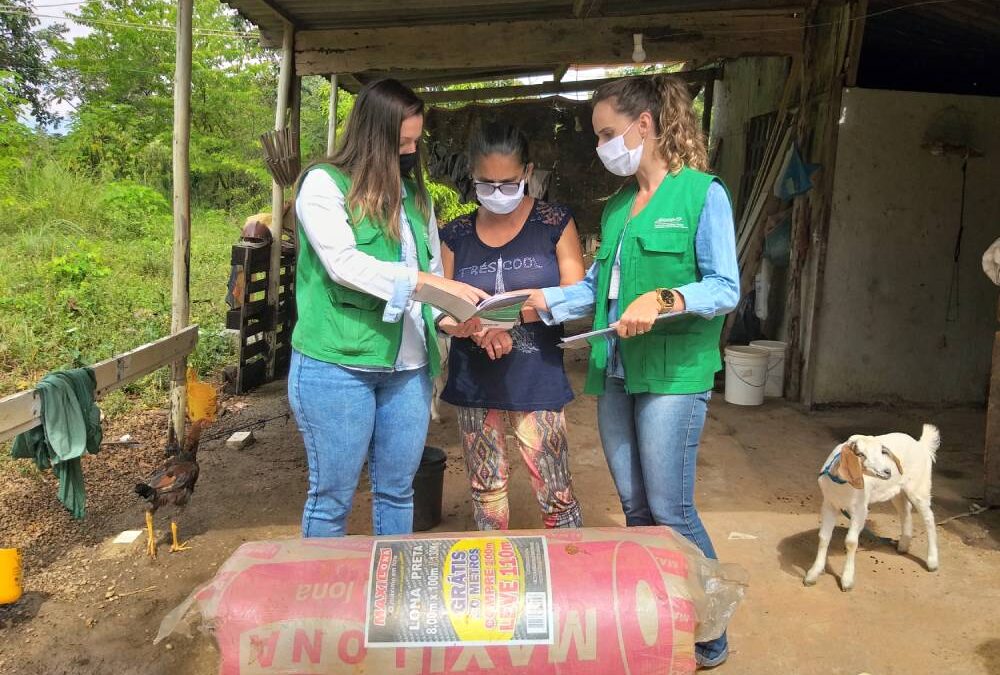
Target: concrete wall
[749,87]
[883,331]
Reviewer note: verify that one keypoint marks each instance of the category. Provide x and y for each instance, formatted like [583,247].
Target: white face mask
[500,203]
[617,158]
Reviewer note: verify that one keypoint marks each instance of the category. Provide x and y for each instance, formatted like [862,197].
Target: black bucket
[428,489]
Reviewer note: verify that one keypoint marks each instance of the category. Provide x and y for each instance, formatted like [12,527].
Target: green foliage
[315,113]
[447,205]
[75,268]
[75,290]
[23,45]
[123,78]
[131,210]
[14,136]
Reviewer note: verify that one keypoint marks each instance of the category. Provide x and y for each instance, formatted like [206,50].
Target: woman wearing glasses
[362,347]
[512,242]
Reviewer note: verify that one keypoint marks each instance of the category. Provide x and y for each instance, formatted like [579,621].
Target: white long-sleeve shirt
[322,212]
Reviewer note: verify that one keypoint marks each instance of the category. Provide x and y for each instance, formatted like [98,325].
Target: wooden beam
[991,453]
[180,289]
[543,89]
[331,129]
[348,81]
[706,113]
[817,132]
[279,11]
[594,41]
[859,12]
[285,77]
[295,113]
[23,411]
[584,8]
[559,73]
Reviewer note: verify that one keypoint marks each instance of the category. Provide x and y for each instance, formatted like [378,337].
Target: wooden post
[295,122]
[991,453]
[824,53]
[858,15]
[285,77]
[331,133]
[706,113]
[180,305]
[295,113]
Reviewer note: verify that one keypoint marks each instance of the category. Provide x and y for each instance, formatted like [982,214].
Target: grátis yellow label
[483,588]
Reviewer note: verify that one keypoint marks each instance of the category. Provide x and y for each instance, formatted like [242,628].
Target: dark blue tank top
[531,376]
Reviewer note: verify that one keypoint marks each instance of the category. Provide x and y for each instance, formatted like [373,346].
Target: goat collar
[835,461]
[828,470]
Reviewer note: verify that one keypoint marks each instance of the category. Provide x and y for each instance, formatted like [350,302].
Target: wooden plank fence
[22,411]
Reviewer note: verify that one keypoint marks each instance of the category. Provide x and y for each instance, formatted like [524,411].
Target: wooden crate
[251,315]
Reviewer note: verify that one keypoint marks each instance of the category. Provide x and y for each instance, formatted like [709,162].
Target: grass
[86,274]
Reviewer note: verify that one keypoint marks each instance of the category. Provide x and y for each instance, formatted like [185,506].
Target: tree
[23,49]
[14,136]
[122,74]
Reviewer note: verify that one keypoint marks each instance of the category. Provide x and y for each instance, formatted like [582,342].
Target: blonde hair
[680,141]
[369,154]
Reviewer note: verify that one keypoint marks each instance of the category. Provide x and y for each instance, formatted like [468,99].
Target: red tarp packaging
[595,601]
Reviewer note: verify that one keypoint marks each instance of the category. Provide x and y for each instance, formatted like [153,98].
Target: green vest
[340,325]
[657,251]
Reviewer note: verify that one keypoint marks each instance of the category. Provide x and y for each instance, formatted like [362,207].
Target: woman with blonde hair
[363,349]
[667,245]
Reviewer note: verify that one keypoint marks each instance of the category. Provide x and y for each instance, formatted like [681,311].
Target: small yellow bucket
[10,576]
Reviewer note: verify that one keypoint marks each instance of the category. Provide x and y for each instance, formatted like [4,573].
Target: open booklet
[503,310]
[581,340]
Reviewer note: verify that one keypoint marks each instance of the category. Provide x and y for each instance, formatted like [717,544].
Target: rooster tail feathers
[145,491]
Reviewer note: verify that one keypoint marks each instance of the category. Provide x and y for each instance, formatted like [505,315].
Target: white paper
[127,537]
[462,310]
[581,340]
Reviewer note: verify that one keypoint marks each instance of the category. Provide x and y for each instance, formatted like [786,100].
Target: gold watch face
[666,298]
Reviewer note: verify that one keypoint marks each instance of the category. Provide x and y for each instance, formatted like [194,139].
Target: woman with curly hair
[667,245]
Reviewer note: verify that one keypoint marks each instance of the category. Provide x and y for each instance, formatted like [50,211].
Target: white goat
[870,469]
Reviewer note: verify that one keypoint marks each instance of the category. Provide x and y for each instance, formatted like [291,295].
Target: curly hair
[680,141]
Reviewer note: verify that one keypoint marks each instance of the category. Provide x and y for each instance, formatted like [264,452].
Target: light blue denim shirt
[716,294]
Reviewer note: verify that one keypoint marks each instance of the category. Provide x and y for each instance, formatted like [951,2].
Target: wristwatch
[665,298]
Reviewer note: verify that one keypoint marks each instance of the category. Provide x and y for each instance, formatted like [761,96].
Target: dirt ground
[93,607]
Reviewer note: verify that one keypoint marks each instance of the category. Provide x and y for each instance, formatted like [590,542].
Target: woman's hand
[495,341]
[464,291]
[640,316]
[536,301]
[460,330]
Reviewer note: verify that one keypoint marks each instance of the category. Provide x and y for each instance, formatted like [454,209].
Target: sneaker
[706,663]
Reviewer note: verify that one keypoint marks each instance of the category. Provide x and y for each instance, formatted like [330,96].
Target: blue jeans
[346,416]
[651,445]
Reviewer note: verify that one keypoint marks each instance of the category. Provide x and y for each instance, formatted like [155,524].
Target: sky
[58,11]
[60,8]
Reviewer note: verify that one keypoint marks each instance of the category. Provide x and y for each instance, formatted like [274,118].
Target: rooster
[173,483]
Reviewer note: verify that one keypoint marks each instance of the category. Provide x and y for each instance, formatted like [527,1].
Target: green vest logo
[675,223]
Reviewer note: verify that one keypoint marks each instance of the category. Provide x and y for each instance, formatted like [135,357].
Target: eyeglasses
[486,189]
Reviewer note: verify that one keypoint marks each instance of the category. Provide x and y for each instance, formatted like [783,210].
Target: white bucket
[775,386]
[746,373]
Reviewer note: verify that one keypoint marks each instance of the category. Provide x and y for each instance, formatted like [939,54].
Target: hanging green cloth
[71,425]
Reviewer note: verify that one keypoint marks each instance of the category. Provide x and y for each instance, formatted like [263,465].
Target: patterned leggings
[541,436]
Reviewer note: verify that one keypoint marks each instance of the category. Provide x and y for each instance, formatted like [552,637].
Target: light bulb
[638,53]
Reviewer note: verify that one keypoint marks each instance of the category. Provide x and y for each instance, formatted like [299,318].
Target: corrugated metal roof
[332,14]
